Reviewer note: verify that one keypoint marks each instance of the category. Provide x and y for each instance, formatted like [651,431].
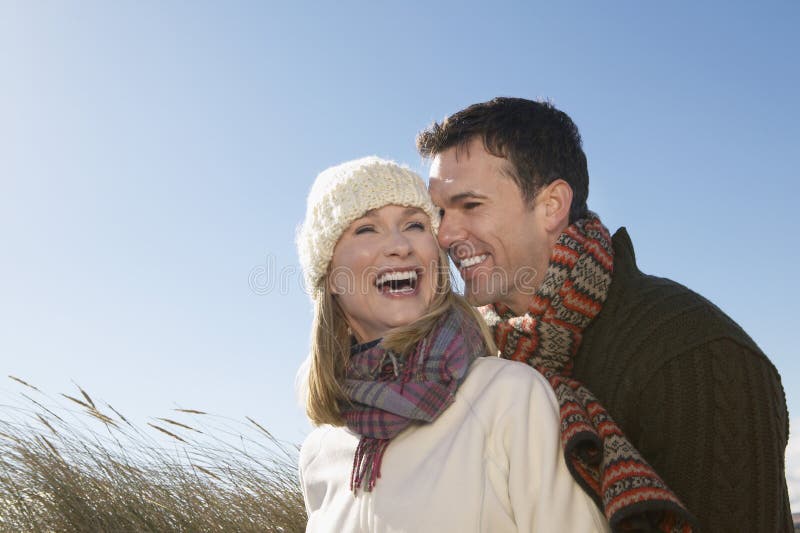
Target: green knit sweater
[694,394]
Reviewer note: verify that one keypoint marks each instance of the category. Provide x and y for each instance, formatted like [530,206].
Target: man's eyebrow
[466,195]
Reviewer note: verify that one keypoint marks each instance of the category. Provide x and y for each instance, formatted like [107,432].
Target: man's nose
[451,231]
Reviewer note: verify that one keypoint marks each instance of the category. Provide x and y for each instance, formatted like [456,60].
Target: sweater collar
[624,256]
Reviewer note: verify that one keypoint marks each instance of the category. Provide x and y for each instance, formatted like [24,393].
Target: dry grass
[70,465]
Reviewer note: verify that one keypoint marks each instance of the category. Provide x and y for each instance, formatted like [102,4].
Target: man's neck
[518,302]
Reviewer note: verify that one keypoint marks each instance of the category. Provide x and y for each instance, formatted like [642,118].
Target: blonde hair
[330,344]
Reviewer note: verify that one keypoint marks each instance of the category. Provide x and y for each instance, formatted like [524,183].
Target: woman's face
[383,271]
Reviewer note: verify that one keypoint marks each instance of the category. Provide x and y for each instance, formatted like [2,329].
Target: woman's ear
[555,201]
[339,280]
[330,286]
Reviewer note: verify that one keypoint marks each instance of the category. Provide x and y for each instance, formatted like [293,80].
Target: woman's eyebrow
[410,211]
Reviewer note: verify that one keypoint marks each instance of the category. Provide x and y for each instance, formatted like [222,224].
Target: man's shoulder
[647,321]
[649,324]
[664,308]
[663,302]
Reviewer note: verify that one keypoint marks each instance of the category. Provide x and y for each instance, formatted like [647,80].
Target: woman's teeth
[397,282]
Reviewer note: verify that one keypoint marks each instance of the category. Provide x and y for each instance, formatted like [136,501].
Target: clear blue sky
[154,155]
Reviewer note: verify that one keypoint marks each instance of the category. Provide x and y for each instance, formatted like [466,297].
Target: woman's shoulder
[491,369]
[496,384]
[325,439]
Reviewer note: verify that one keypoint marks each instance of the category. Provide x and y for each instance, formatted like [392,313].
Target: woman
[417,430]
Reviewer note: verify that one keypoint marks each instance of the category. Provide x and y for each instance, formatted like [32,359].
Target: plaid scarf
[389,392]
[547,337]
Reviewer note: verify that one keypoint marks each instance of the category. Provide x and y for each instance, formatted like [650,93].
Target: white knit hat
[344,193]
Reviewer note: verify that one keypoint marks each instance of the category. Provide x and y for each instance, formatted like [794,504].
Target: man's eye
[471,205]
[364,229]
[441,214]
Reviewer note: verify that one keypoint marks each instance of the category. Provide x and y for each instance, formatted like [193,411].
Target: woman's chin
[393,320]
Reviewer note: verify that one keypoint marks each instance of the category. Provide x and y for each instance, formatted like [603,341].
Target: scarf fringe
[367,464]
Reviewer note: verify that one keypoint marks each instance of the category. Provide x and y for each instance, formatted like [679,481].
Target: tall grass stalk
[73,465]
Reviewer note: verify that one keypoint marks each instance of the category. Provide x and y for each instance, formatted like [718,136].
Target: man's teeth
[472,261]
[408,275]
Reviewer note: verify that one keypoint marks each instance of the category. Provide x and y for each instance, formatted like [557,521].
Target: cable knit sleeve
[713,423]
[542,492]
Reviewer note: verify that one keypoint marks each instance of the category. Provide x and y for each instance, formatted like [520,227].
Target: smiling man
[646,371]
[498,239]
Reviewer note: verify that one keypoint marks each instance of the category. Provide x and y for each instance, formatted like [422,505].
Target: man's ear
[555,202]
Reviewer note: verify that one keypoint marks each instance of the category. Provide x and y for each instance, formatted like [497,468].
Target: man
[687,387]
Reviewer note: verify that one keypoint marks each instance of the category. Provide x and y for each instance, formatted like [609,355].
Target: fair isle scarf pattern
[388,392]
[547,337]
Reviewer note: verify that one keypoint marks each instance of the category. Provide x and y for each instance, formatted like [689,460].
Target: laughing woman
[417,430]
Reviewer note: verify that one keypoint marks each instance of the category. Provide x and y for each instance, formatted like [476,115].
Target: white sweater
[492,462]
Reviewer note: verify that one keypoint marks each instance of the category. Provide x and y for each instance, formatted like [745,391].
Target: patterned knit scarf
[389,393]
[599,456]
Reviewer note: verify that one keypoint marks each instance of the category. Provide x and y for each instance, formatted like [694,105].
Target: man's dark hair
[541,143]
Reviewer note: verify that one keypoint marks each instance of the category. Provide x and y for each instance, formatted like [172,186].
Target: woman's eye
[364,229]
[416,225]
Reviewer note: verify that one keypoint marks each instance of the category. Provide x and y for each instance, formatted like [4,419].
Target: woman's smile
[382,270]
[398,283]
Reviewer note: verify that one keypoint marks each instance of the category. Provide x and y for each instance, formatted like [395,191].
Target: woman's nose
[397,244]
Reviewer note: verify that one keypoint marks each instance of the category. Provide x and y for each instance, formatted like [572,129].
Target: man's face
[495,238]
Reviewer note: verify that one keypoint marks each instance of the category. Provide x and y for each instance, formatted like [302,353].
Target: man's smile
[472,260]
